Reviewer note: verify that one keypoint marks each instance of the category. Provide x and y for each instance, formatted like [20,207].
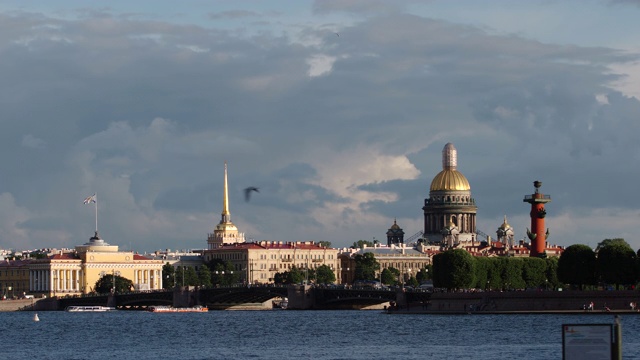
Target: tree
[388,277]
[361,243]
[366,266]
[326,244]
[511,276]
[606,242]
[324,275]
[453,269]
[168,276]
[105,284]
[552,273]
[424,274]
[204,276]
[483,266]
[222,272]
[295,276]
[577,266]
[616,264]
[533,272]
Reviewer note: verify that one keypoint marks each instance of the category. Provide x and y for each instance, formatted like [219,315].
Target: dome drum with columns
[450,204]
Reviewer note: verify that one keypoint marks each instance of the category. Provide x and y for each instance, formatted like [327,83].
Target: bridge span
[301,297]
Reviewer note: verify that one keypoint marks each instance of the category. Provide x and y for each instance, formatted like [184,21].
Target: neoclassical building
[74,273]
[449,211]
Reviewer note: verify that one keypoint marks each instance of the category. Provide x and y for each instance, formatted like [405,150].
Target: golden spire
[225,200]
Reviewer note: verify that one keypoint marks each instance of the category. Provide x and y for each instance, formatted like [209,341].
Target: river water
[290,334]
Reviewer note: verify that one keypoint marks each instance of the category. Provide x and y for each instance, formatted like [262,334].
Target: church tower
[225,232]
[450,211]
[395,234]
[505,234]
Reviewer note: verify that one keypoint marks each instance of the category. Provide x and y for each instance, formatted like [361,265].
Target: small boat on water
[281,304]
[171,309]
[35,317]
[89,308]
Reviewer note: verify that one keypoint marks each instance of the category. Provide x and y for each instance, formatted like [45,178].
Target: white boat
[89,308]
[35,317]
[284,304]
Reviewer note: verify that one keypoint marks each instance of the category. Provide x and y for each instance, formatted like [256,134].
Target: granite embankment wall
[15,305]
[529,301]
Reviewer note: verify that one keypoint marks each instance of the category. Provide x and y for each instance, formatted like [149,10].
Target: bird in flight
[247,192]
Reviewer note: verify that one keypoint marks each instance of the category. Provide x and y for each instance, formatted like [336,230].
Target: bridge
[300,297]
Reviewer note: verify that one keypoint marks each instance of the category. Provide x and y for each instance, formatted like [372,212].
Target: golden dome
[450,179]
[226,226]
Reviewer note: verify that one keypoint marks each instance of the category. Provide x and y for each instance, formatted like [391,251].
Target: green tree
[616,264]
[366,266]
[204,276]
[552,273]
[453,269]
[413,281]
[606,242]
[168,276]
[279,278]
[533,272]
[577,266]
[361,243]
[388,277]
[424,274]
[326,244]
[324,275]
[295,276]
[511,276]
[222,273]
[105,284]
[483,266]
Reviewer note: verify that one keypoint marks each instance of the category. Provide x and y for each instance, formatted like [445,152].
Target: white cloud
[320,64]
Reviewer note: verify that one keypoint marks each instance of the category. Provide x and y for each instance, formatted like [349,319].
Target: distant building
[449,211]
[74,273]
[395,235]
[225,232]
[14,278]
[258,262]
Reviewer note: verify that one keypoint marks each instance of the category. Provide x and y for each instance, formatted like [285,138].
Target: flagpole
[96,203]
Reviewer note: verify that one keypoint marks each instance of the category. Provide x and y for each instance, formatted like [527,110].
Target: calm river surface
[290,334]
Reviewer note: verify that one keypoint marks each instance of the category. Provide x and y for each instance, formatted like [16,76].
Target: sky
[336,110]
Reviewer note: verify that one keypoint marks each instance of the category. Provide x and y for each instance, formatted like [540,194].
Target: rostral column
[537,234]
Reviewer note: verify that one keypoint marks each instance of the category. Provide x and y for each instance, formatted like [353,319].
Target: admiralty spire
[225,232]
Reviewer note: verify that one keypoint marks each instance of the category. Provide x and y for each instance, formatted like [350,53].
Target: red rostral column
[537,234]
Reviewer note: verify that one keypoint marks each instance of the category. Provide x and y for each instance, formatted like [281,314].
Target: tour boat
[168,309]
[89,308]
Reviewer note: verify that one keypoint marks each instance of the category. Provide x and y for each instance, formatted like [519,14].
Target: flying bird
[247,192]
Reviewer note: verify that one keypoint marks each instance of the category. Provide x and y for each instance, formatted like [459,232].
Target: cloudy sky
[337,110]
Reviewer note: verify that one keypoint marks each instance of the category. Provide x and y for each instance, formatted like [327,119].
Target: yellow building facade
[259,262]
[76,273]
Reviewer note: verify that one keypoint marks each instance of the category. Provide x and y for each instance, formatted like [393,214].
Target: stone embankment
[15,305]
[493,302]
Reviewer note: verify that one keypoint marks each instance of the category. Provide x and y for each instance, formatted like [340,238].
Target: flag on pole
[90,199]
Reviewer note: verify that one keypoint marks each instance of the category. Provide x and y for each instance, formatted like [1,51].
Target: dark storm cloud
[146,113]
